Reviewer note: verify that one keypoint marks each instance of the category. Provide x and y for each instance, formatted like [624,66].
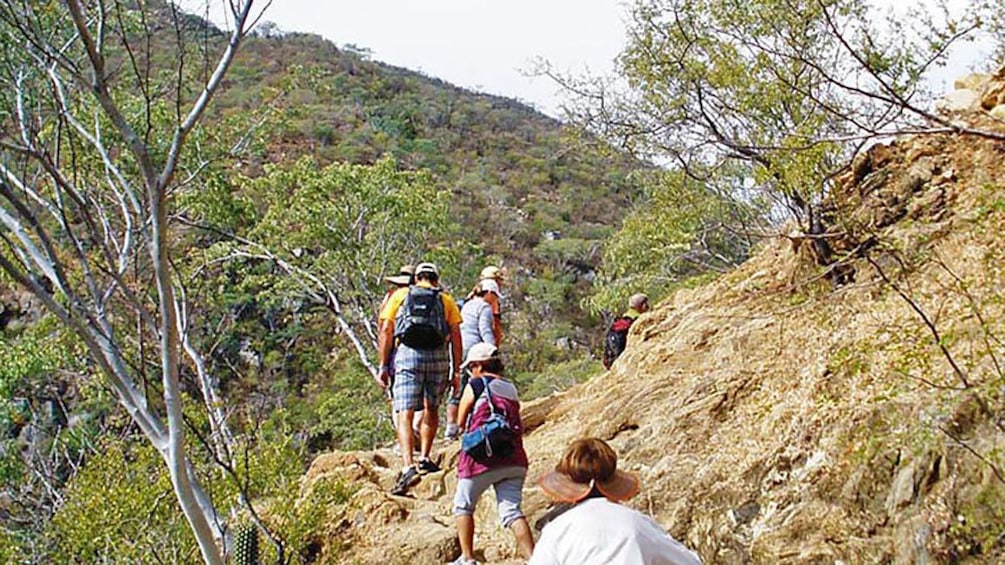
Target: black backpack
[616,339]
[421,322]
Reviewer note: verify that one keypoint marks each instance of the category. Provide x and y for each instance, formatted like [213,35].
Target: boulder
[962,100]
[993,95]
[972,81]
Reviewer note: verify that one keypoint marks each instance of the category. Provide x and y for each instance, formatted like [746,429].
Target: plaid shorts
[419,374]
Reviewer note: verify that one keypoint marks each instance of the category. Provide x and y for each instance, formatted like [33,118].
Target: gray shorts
[508,484]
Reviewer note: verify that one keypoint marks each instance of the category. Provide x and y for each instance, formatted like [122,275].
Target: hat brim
[468,362]
[400,280]
[559,486]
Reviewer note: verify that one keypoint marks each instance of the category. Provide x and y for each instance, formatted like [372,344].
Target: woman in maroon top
[506,474]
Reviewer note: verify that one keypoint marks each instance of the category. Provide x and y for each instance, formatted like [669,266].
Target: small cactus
[246,545]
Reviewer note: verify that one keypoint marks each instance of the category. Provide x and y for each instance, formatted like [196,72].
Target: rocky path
[377,527]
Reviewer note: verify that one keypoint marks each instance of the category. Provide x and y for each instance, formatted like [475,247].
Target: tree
[98,114]
[331,233]
[785,92]
[683,228]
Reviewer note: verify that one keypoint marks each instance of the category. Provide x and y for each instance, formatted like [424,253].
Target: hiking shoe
[462,561]
[406,480]
[452,432]
[427,466]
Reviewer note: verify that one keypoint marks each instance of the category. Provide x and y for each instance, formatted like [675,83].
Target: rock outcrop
[775,418]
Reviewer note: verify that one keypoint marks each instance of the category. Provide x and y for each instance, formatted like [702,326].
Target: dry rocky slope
[775,416]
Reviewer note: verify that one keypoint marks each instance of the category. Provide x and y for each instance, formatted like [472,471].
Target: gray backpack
[421,322]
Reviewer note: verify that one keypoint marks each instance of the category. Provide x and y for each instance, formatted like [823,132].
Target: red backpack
[616,339]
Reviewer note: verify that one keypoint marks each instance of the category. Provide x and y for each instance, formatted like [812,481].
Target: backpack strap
[478,386]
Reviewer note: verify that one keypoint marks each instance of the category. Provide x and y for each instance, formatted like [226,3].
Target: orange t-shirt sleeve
[392,304]
[451,311]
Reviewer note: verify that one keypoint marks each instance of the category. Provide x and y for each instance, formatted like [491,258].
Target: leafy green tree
[790,90]
[120,506]
[331,233]
[683,228]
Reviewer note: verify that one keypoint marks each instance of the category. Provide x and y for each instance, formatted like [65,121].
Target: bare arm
[385,343]
[464,408]
[456,351]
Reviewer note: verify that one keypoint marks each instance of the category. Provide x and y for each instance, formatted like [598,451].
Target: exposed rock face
[976,92]
[773,418]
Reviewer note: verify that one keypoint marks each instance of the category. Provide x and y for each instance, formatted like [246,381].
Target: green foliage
[351,412]
[121,504]
[557,377]
[683,229]
[28,363]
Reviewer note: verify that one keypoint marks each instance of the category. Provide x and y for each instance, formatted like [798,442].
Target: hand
[456,385]
[383,377]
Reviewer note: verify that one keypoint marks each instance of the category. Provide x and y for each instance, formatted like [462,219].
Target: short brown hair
[588,459]
[494,365]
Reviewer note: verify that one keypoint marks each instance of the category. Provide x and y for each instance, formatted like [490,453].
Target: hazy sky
[489,45]
[486,45]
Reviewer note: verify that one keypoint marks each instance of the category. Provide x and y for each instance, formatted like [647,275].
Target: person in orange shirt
[424,322]
[403,279]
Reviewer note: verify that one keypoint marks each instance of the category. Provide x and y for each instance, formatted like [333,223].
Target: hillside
[775,417]
[520,180]
[526,192]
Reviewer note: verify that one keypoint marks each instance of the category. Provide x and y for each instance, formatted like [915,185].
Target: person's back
[476,323]
[616,337]
[598,531]
[505,399]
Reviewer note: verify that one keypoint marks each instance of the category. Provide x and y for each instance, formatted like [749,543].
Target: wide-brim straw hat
[400,280]
[559,486]
[404,276]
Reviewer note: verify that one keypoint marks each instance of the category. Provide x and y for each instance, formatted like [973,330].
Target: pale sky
[484,45]
[491,45]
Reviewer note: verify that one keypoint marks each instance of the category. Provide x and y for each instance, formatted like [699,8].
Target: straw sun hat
[404,276]
[587,464]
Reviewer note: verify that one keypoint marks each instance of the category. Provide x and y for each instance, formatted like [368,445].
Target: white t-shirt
[598,531]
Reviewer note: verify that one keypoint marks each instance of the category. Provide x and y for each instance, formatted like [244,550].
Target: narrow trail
[378,527]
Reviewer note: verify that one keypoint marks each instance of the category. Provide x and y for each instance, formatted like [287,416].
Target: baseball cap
[480,352]
[427,268]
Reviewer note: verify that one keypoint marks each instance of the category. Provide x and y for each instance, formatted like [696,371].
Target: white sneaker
[452,432]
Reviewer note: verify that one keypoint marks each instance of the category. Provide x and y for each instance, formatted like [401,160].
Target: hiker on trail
[403,279]
[596,529]
[616,337]
[491,282]
[477,321]
[488,391]
[425,323]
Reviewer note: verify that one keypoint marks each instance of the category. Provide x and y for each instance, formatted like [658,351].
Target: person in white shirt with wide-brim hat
[597,529]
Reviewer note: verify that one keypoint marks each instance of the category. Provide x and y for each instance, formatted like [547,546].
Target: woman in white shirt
[597,529]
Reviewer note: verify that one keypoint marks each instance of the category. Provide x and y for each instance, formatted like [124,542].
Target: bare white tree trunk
[72,240]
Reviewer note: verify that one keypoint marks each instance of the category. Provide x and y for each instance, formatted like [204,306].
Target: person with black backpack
[616,337]
[424,322]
